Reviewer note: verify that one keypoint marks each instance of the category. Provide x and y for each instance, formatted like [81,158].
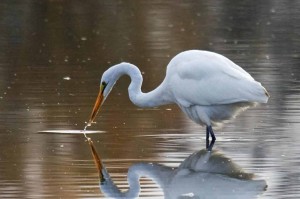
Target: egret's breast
[214,114]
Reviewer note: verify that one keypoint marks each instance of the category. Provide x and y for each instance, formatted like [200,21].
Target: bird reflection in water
[204,174]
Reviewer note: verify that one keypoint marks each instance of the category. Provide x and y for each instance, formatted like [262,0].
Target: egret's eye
[103,85]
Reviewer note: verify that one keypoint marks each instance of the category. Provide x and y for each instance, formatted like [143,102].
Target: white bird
[208,87]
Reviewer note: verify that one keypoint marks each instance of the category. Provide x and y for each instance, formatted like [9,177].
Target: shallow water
[54,52]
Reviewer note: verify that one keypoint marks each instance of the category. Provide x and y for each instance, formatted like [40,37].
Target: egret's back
[209,88]
[206,78]
[206,60]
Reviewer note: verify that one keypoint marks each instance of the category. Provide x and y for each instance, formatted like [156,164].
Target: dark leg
[207,138]
[210,145]
[207,133]
[210,132]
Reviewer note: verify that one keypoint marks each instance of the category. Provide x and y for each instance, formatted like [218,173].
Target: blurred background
[52,56]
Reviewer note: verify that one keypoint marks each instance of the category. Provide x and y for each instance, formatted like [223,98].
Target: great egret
[208,87]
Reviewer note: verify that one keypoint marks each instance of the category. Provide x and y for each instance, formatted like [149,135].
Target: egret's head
[108,80]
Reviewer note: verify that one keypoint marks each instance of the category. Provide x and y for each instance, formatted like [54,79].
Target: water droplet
[67,78]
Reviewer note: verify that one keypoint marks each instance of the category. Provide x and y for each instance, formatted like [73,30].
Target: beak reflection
[97,160]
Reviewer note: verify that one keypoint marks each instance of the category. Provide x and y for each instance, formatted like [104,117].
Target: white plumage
[208,87]
[211,88]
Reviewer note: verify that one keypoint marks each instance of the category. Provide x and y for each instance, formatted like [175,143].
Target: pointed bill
[97,106]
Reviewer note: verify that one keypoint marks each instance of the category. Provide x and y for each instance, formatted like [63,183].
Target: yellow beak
[97,106]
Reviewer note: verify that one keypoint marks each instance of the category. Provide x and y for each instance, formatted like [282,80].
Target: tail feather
[258,93]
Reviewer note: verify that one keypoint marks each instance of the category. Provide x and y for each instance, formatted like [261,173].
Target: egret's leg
[209,145]
[211,132]
[207,133]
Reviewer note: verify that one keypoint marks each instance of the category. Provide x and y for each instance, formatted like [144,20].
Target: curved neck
[158,96]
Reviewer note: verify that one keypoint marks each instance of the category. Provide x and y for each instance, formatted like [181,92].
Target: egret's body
[208,87]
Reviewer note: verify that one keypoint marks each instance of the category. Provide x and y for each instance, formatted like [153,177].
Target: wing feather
[212,79]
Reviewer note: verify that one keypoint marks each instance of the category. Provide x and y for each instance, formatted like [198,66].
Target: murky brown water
[54,52]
